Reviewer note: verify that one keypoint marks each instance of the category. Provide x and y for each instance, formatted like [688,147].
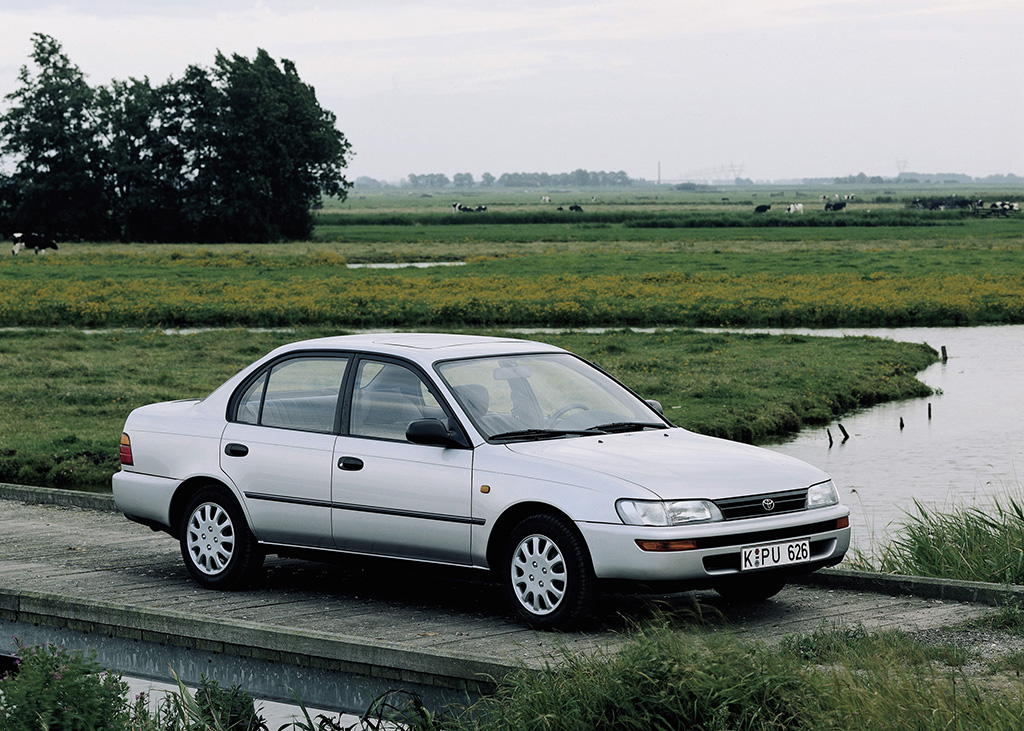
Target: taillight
[125,453]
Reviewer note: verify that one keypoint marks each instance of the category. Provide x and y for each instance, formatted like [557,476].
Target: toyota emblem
[768,504]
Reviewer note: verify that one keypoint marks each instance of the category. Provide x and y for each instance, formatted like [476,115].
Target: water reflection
[966,453]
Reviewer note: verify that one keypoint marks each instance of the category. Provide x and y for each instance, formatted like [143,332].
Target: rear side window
[299,393]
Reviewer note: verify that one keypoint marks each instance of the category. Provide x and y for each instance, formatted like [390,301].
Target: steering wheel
[566,409]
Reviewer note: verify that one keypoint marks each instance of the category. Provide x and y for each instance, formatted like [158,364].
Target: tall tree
[277,150]
[51,134]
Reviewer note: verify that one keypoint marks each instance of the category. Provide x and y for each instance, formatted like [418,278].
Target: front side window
[386,398]
[298,393]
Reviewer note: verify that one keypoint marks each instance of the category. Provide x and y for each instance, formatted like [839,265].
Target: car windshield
[519,397]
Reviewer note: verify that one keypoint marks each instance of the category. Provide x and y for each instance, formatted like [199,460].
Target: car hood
[677,464]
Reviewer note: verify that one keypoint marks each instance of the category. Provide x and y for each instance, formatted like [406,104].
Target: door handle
[236,450]
[350,464]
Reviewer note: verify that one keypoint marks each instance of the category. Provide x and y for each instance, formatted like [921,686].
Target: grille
[737,508]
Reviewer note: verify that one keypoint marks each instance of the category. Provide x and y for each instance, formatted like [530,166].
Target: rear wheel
[219,550]
[547,573]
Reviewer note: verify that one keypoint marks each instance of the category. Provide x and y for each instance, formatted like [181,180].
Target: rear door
[278,448]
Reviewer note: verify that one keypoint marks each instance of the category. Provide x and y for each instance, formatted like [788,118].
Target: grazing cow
[575,207]
[545,199]
[835,206]
[33,241]
[763,208]
[459,208]
[795,208]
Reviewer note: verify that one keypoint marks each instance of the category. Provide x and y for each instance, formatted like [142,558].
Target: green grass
[674,678]
[960,543]
[667,676]
[69,391]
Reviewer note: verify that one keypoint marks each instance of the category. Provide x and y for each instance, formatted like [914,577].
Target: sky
[661,89]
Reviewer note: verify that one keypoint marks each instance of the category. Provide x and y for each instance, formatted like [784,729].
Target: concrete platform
[89,577]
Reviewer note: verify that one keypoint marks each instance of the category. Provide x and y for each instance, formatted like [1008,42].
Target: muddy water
[969,450]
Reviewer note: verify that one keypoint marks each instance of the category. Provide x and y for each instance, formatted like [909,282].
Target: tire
[751,589]
[220,551]
[547,573]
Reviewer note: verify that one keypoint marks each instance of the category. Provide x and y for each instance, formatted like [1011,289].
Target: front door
[392,497]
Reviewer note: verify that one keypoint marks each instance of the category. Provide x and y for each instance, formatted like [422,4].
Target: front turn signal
[666,546]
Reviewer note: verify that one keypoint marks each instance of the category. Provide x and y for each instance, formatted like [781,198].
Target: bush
[60,690]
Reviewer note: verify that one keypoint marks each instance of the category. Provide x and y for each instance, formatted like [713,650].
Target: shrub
[60,690]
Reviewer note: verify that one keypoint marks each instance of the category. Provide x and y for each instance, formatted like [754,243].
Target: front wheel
[219,550]
[547,573]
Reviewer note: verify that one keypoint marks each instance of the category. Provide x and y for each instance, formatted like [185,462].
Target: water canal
[963,446]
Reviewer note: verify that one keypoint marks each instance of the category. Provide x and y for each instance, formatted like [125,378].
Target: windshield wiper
[624,426]
[525,434]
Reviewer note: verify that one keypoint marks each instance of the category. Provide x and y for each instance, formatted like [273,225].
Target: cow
[576,207]
[795,208]
[763,208]
[835,206]
[34,241]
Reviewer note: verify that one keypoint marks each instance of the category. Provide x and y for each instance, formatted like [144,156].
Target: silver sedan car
[499,454]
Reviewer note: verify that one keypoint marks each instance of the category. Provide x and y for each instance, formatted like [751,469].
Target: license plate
[775,554]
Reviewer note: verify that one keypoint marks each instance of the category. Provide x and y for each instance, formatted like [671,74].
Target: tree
[239,152]
[463,180]
[146,165]
[277,150]
[429,180]
[487,179]
[52,134]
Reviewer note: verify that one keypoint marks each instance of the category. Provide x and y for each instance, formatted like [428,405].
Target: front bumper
[616,555]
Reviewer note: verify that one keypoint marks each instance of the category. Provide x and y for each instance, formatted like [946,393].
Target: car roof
[423,347]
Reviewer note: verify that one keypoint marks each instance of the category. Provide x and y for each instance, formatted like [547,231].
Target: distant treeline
[238,152]
[576,179]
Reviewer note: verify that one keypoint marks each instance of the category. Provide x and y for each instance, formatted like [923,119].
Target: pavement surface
[69,560]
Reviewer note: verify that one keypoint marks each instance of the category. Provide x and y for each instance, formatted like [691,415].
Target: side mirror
[431,432]
[656,405]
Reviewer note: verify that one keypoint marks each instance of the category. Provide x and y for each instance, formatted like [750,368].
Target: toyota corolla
[504,455]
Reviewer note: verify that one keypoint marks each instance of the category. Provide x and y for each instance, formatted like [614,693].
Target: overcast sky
[779,89]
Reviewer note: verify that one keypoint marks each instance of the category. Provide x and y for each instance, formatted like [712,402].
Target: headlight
[822,495]
[674,512]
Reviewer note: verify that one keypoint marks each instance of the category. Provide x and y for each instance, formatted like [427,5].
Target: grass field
[66,394]
[68,391]
[539,275]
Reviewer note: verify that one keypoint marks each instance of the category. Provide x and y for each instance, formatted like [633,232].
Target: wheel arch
[184,494]
[512,517]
